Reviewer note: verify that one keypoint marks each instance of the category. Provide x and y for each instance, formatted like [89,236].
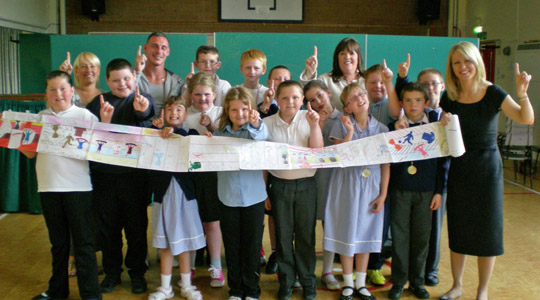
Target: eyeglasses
[357,97]
[433,84]
[208,62]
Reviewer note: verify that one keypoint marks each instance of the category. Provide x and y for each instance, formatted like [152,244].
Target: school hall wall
[509,23]
[202,16]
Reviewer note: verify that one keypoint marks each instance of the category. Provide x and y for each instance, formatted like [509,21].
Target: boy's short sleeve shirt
[63,174]
[296,134]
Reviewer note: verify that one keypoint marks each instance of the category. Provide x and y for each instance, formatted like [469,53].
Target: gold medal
[411,169]
[366,173]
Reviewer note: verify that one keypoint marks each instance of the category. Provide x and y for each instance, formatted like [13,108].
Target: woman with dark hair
[347,67]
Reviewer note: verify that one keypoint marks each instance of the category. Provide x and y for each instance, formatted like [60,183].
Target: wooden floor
[25,260]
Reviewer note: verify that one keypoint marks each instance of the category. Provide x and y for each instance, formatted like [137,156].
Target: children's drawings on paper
[25,137]
[66,137]
[164,154]
[145,148]
[115,148]
[415,143]
[215,153]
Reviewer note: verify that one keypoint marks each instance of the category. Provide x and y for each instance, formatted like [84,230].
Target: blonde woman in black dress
[475,182]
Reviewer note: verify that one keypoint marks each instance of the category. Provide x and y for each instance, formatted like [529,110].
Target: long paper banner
[143,147]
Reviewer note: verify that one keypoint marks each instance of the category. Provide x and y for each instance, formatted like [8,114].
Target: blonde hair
[347,90]
[253,54]
[89,57]
[471,53]
[235,93]
[202,79]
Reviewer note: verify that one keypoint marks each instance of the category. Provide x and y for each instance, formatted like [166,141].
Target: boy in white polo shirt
[293,193]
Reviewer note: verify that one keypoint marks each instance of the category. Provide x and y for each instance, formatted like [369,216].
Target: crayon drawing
[215,153]
[115,148]
[65,140]
[26,137]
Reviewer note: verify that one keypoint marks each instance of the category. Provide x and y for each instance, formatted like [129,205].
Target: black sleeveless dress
[475,180]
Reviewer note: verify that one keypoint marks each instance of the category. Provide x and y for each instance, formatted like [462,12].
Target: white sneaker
[216,277]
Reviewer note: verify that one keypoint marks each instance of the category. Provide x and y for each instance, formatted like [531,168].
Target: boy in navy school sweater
[415,191]
[121,194]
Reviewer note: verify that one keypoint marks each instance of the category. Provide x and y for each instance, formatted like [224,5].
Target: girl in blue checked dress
[353,219]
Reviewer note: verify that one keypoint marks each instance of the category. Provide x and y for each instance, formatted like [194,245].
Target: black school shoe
[310,293]
[272,265]
[420,292]
[431,280]
[138,285]
[284,294]
[395,292]
[45,296]
[109,283]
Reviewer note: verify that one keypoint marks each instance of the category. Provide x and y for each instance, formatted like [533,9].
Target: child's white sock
[186,279]
[348,281]
[166,281]
[361,282]
[216,262]
[328,261]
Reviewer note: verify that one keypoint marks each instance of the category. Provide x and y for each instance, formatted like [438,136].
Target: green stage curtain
[18,183]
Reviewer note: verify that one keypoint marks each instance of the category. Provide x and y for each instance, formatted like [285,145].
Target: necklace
[257,94]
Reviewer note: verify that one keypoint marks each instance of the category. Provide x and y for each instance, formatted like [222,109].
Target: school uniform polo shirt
[297,133]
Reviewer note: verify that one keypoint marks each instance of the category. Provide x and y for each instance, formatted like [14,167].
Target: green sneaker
[375,277]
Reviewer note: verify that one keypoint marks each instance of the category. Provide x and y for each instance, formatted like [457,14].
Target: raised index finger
[193,68]
[408,59]
[137,92]
[68,57]
[101,101]
[384,64]
[309,107]
[315,51]
[249,106]
[162,113]
[516,68]
[139,51]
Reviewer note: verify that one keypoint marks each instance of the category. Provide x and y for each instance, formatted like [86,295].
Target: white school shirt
[59,173]
[335,87]
[297,133]
[258,93]
[222,86]
[194,116]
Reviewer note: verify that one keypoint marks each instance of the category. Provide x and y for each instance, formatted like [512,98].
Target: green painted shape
[195,165]
[35,62]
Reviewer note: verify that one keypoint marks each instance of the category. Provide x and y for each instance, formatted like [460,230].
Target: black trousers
[434,253]
[120,202]
[294,208]
[410,222]
[68,214]
[242,231]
